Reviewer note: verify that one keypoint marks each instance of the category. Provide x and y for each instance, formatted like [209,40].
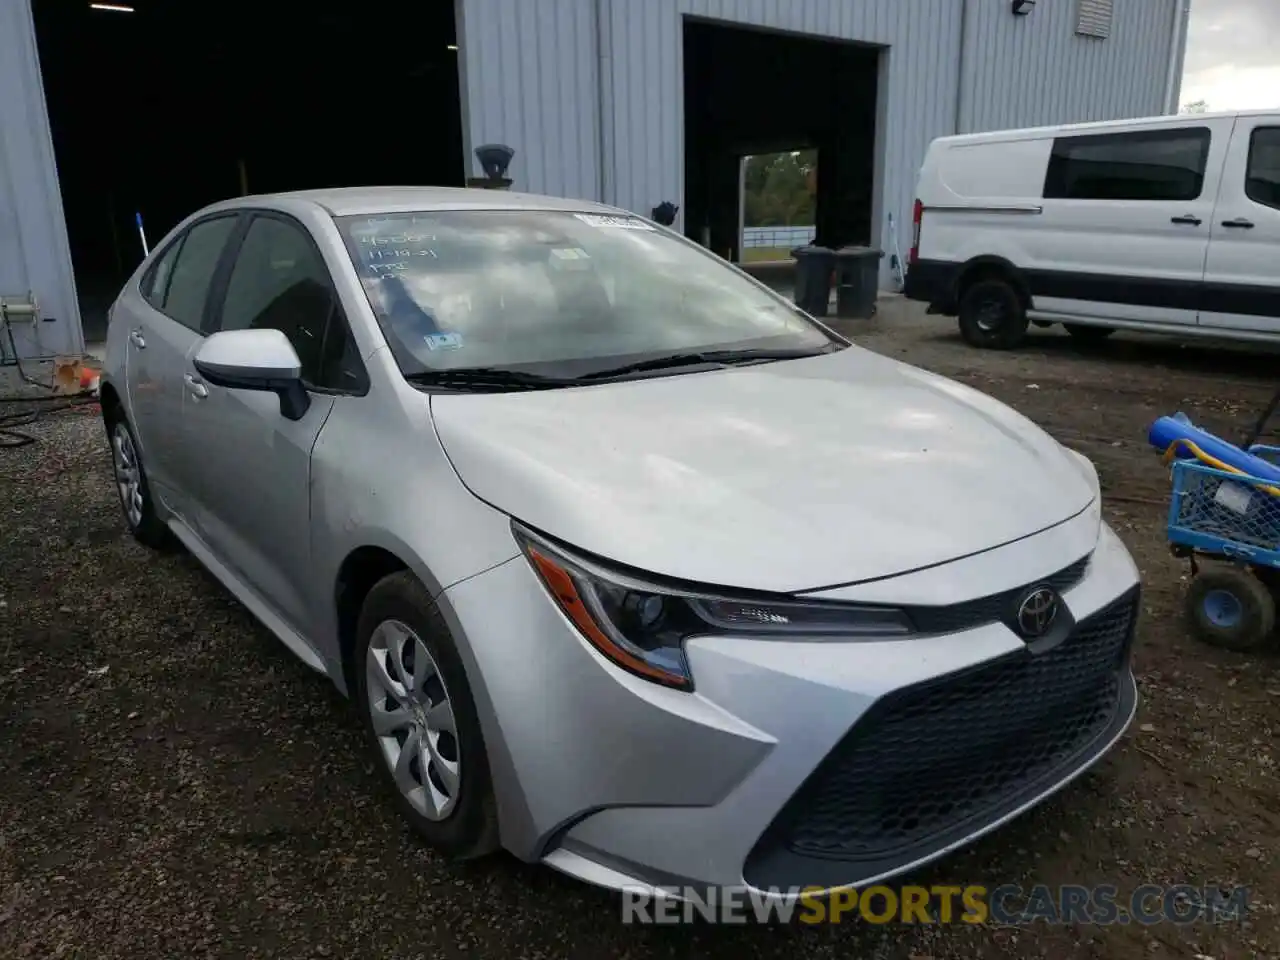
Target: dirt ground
[173,783]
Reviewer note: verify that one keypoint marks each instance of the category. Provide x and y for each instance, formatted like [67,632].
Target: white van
[1169,225]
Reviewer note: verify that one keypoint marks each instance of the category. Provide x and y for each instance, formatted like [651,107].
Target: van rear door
[1242,282]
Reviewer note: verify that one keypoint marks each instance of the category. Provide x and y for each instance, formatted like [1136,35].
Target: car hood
[785,476]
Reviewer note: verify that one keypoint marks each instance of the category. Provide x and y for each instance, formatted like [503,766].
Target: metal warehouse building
[148,109]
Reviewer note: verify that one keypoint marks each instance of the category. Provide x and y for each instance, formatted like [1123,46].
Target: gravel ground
[174,783]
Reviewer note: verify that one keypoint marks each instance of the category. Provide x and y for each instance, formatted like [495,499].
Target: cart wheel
[1231,608]
[1270,577]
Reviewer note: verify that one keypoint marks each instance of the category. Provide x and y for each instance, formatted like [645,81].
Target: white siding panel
[1037,70]
[529,71]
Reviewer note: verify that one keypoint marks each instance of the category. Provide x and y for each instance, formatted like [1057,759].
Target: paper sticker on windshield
[570,258]
[613,223]
[443,341]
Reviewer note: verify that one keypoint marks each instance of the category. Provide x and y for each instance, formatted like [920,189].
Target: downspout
[1177,54]
[960,58]
[602,67]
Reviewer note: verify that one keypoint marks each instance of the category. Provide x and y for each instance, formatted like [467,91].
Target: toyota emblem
[1037,612]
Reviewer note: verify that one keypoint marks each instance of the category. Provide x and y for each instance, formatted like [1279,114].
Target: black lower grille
[944,757]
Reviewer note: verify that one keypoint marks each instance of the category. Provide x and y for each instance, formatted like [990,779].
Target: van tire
[1088,333]
[992,315]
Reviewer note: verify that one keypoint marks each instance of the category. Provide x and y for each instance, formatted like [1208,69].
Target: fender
[987,266]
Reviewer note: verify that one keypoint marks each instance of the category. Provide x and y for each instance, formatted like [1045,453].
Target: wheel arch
[367,564]
[992,267]
[109,397]
[360,569]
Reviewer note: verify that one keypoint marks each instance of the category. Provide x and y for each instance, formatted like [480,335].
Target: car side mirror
[255,360]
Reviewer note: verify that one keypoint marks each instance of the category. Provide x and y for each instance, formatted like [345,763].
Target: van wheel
[992,315]
[1087,333]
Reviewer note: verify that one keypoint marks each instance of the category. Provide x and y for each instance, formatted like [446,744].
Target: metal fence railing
[776,237]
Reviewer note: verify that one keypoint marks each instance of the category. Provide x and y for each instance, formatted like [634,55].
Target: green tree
[779,189]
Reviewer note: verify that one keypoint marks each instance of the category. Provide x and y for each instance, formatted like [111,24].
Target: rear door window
[155,283]
[1262,181]
[1143,165]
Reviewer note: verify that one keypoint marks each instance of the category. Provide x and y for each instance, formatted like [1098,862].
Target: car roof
[360,201]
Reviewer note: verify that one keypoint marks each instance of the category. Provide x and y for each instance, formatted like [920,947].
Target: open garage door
[750,92]
[158,108]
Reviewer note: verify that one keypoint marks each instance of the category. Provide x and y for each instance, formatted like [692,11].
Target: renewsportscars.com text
[1008,904]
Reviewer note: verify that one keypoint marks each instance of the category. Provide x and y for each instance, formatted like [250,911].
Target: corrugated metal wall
[1036,70]
[529,77]
[532,71]
[34,256]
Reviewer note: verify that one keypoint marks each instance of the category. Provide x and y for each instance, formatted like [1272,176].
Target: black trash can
[857,280]
[814,269]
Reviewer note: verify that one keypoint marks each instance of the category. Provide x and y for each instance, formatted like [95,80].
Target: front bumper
[793,764]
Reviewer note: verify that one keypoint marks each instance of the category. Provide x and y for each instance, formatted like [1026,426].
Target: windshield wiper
[703,357]
[492,378]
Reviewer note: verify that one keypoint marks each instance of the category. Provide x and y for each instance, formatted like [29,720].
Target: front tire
[1231,608]
[992,315]
[420,719]
[131,483]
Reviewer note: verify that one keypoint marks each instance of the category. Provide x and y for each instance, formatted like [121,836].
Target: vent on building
[1094,18]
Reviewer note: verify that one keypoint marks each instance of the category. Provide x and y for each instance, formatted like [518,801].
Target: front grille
[941,759]
[993,608]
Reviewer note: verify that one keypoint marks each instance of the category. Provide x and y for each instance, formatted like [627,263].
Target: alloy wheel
[413,719]
[124,458]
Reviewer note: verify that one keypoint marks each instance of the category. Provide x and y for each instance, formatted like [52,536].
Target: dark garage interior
[162,107]
[750,91]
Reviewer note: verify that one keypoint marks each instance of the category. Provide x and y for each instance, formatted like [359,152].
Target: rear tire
[1087,333]
[992,315]
[130,479]
[442,787]
[1231,608]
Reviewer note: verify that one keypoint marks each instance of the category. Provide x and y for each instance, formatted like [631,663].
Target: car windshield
[558,294]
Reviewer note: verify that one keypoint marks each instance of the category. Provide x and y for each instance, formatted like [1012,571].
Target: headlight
[641,626]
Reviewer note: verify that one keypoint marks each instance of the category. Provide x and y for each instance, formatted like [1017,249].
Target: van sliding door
[1126,222]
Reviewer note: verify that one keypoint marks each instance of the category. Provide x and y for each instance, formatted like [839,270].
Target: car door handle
[1240,224]
[195,387]
[1188,219]
[138,341]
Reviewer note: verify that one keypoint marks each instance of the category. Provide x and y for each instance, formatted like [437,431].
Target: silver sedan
[633,568]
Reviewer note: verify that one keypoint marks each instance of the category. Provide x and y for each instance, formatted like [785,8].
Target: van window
[1262,182]
[1144,165]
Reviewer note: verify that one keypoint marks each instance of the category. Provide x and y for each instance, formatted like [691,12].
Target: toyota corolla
[632,568]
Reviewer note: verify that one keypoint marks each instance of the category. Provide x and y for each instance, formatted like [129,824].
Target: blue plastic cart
[1233,520]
